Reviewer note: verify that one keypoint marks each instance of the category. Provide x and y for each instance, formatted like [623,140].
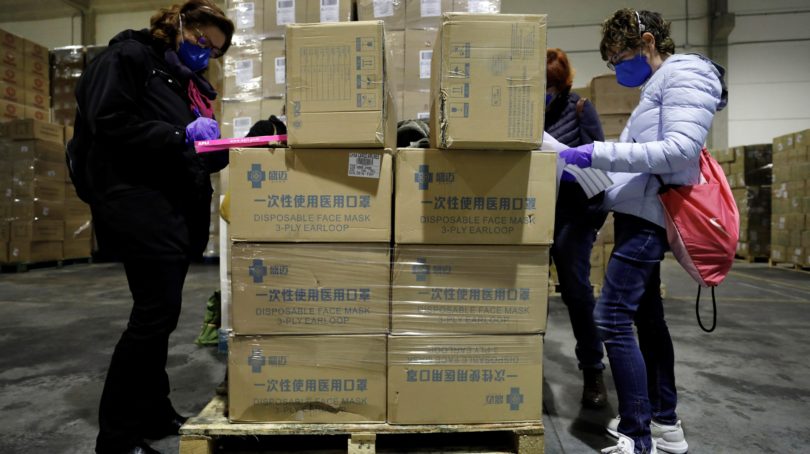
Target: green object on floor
[209,335]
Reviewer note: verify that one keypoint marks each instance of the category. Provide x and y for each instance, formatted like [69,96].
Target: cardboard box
[464,379]
[35,113]
[489,82]
[34,51]
[477,6]
[395,69]
[278,14]
[724,155]
[613,124]
[4,252]
[12,58]
[77,249]
[783,143]
[78,239]
[426,13]
[39,188]
[28,169]
[36,67]
[307,379]
[778,252]
[469,289]
[273,106]
[327,11]
[11,110]
[243,71]
[608,97]
[310,195]
[37,84]
[474,197]
[38,150]
[338,71]
[23,251]
[418,55]
[392,12]
[40,230]
[248,17]
[328,288]
[273,68]
[76,210]
[9,40]
[5,231]
[36,209]
[416,106]
[239,116]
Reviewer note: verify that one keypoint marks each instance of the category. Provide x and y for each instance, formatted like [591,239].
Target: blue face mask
[633,72]
[549,97]
[194,57]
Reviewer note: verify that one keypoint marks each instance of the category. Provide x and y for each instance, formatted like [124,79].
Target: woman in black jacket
[573,121]
[141,105]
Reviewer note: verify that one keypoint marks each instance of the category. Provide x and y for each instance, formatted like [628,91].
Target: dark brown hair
[165,23]
[621,31]
[559,73]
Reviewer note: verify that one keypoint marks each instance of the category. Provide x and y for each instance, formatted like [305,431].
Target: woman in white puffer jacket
[661,143]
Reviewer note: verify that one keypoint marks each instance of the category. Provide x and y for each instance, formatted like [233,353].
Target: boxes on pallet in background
[324,288]
[327,11]
[337,95]
[5,231]
[273,68]
[310,195]
[29,169]
[272,106]
[11,110]
[35,149]
[395,69]
[248,18]
[278,14]
[613,124]
[464,379]
[242,71]
[488,82]
[783,143]
[4,252]
[239,116]
[474,197]
[78,239]
[390,12]
[76,210]
[39,230]
[610,98]
[307,379]
[418,57]
[39,188]
[477,6]
[425,13]
[723,155]
[36,209]
[469,289]
[24,251]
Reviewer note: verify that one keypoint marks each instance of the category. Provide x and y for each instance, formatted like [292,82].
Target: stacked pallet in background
[790,204]
[749,173]
[25,82]
[613,102]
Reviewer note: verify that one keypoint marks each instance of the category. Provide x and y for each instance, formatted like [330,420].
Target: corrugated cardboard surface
[325,288]
[39,230]
[273,68]
[466,379]
[308,195]
[37,149]
[392,12]
[239,116]
[23,251]
[469,289]
[609,97]
[277,17]
[474,197]
[336,91]
[489,82]
[426,13]
[307,379]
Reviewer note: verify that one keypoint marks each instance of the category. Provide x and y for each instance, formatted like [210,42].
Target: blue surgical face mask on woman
[193,56]
[633,72]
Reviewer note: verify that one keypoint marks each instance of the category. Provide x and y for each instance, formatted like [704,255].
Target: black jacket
[564,124]
[151,193]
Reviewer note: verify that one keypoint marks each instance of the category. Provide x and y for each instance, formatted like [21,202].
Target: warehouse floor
[744,388]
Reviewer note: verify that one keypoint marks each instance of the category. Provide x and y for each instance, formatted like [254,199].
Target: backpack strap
[581,106]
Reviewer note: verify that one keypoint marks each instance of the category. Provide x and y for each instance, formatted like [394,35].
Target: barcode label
[423,116]
[431,8]
[424,63]
[241,126]
[245,13]
[244,72]
[383,8]
[281,70]
[365,165]
[285,12]
[330,11]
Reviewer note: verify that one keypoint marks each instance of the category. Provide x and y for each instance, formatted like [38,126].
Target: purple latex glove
[202,129]
[579,156]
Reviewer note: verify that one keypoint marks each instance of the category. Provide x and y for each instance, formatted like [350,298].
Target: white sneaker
[626,446]
[669,438]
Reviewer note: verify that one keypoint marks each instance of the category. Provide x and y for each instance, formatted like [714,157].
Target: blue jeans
[576,222]
[644,372]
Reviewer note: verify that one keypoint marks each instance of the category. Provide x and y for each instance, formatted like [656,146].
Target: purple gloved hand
[202,129]
[579,156]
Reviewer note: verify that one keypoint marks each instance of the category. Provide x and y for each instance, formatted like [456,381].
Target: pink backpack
[703,227]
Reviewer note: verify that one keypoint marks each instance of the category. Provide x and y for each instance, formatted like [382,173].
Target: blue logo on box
[423,177]
[256,176]
[514,399]
[256,360]
[420,269]
[257,270]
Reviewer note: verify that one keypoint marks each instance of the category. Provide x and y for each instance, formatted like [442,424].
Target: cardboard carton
[477,6]
[327,11]
[278,14]
[425,13]
[36,149]
[24,251]
[307,379]
[243,71]
[392,12]
[474,197]
[28,169]
[239,116]
[248,18]
[395,69]
[418,55]
[310,195]
[273,68]
[488,82]
[328,288]
[469,289]
[464,379]
[608,97]
[36,209]
[272,106]
[613,124]
[40,230]
[337,95]
[39,188]
[78,239]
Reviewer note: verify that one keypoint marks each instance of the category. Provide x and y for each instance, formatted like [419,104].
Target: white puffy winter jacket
[663,136]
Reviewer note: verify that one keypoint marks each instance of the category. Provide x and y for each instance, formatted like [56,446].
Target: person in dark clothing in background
[573,121]
[141,105]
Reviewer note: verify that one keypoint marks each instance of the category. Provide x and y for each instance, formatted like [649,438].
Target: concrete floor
[743,388]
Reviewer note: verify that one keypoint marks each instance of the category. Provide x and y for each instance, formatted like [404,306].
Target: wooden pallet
[210,433]
[788,265]
[752,258]
[22,267]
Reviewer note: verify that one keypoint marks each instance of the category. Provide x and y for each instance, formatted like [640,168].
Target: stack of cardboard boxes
[42,219]
[790,203]
[24,79]
[311,228]
[749,174]
[67,65]
[613,102]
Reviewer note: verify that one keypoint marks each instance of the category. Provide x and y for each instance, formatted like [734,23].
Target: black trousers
[136,392]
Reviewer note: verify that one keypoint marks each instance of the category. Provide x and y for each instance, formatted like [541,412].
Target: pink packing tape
[206,146]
